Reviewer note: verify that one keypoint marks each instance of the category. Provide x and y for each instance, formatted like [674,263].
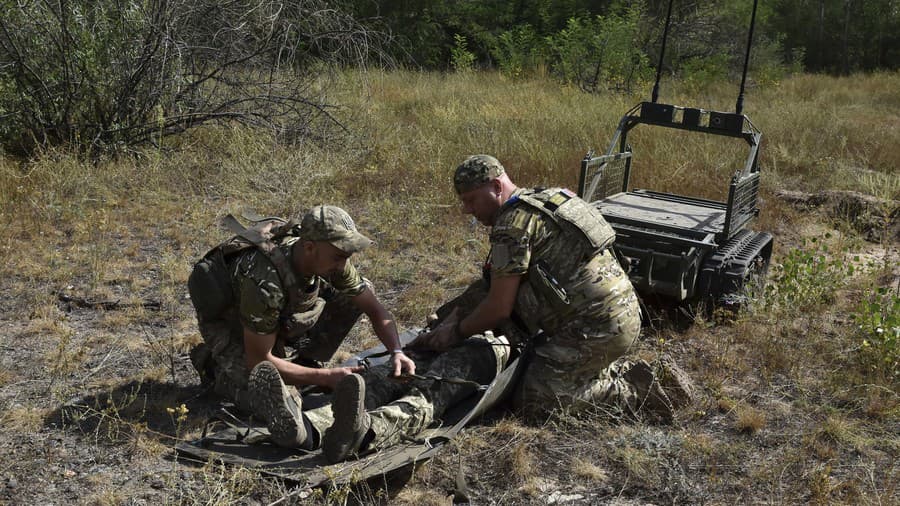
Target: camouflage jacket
[559,244]
[261,299]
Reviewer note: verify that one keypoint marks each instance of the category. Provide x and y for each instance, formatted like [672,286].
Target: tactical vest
[543,292]
[560,204]
[210,282]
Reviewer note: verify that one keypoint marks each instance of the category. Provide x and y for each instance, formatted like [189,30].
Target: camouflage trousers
[220,358]
[581,364]
[399,410]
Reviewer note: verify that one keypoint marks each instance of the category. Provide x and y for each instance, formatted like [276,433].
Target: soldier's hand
[441,338]
[403,364]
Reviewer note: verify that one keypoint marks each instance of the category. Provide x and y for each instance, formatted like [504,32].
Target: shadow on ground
[161,410]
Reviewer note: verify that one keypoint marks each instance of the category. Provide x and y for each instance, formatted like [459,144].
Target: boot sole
[272,401]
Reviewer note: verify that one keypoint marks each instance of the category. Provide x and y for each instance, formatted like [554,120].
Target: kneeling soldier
[281,285]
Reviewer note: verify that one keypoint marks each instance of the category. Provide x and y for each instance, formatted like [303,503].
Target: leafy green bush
[518,51]
[601,52]
[878,318]
[461,59]
[698,72]
[807,278]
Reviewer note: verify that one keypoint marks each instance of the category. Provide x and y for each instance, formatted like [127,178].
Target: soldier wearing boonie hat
[278,284]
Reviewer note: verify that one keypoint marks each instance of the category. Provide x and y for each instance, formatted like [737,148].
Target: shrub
[518,51]
[461,59]
[807,278]
[104,73]
[601,52]
[700,72]
[878,320]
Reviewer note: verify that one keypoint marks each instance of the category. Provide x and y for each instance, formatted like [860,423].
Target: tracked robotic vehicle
[677,247]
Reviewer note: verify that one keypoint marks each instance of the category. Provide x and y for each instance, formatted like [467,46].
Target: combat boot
[279,406]
[351,422]
[675,382]
[653,399]
[204,364]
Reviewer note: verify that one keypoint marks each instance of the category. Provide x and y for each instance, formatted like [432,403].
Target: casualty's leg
[355,430]
[351,422]
[379,390]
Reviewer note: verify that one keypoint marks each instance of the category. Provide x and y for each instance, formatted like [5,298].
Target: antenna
[740,101]
[662,51]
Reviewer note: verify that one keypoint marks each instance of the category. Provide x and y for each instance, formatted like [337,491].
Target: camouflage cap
[475,171]
[333,225]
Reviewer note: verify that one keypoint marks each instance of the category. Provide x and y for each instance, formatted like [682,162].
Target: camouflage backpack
[210,282]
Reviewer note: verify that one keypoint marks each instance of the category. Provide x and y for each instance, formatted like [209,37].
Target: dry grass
[416,496]
[749,419]
[589,471]
[821,422]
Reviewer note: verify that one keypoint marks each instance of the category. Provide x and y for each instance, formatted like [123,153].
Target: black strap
[365,362]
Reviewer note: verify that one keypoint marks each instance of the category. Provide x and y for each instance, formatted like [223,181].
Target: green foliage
[699,72]
[840,36]
[518,51]
[593,53]
[878,318]
[807,278]
[825,35]
[461,59]
[600,52]
[70,65]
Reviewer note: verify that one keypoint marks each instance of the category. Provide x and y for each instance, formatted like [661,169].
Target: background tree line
[110,74]
[835,36]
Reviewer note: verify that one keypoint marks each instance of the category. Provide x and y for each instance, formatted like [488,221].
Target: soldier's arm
[496,307]
[385,328]
[258,347]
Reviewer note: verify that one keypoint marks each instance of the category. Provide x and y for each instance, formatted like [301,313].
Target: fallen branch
[106,305]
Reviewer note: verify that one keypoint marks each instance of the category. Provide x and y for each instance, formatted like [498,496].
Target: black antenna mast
[740,101]
[662,51]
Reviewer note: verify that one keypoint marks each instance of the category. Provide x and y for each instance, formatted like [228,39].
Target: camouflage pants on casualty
[581,364]
[399,410]
[221,355]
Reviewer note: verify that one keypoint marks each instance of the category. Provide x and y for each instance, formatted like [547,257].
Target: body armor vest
[563,205]
[213,281]
[543,297]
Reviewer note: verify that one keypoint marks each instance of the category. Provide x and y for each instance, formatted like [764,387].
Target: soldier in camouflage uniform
[551,271]
[304,293]
[551,277]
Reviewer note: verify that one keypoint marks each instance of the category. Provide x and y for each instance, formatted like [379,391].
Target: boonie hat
[333,225]
[475,171]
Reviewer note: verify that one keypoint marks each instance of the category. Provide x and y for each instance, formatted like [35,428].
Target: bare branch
[126,71]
